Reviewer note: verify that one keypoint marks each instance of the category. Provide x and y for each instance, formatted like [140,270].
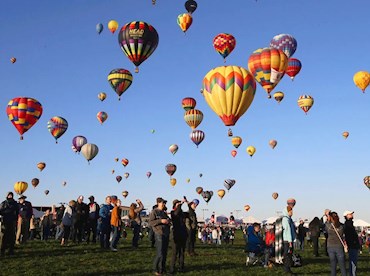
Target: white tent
[360,223]
[270,220]
[250,219]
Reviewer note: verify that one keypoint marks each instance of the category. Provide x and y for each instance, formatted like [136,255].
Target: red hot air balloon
[234,153]
[124,162]
[188,103]
[294,67]
[23,112]
[224,44]
[171,169]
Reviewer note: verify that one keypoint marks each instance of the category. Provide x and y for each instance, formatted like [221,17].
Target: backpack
[297,260]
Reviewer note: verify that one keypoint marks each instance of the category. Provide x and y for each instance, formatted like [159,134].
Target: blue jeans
[336,256]
[352,256]
[161,244]
[115,237]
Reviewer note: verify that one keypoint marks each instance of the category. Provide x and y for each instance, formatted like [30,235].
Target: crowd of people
[265,244]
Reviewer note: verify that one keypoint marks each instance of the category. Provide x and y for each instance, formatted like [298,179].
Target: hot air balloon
[102,96]
[152,131]
[23,113]
[124,162]
[113,26]
[251,150]
[148,174]
[35,182]
[41,166]
[126,175]
[124,194]
[120,80]
[119,178]
[275,195]
[268,66]
[236,141]
[229,91]
[20,187]
[305,102]
[188,103]
[184,20]
[191,6]
[173,148]
[13,60]
[116,159]
[207,195]
[113,171]
[197,136]
[188,180]
[193,118]
[229,183]
[278,96]
[64,183]
[224,44]
[367,181]
[345,134]
[138,40]
[46,192]
[102,116]
[99,28]
[272,143]
[234,153]
[246,207]
[294,66]
[362,80]
[221,193]
[57,126]
[284,42]
[89,151]
[170,169]
[200,175]
[291,202]
[78,142]
[230,132]
[173,181]
[74,149]
[199,190]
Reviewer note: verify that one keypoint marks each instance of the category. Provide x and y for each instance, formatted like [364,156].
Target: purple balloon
[78,142]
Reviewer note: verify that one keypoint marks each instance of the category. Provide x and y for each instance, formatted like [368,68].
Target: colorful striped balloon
[278,96]
[23,112]
[236,141]
[102,116]
[57,126]
[197,136]
[294,66]
[305,102]
[188,103]
[284,42]
[193,118]
[224,44]
[184,20]
[78,142]
[120,80]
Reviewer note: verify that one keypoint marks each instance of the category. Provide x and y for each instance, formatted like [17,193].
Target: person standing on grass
[59,228]
[67,221]
[92,220]
[104,228]
[301,234]
[115,223]
[82,211]
[352,241]
[289,235]
[9,211]
[160,222]
[335,247]
[46,223]
[191,226]
[314,228]
[25,214]
[179,236]
[134,215]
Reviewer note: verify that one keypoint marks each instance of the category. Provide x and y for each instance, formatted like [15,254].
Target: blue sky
[64,63]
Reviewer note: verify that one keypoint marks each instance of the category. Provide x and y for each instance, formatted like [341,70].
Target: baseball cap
[91,197]
[347,213]
[175,202]
[22,197]
[159,199]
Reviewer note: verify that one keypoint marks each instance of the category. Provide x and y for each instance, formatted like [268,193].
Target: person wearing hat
[160,223]
[25,214]
[191,226]
[352,241]
[289,235]
[9,211]
[92,220]
[82,212]
[179,235]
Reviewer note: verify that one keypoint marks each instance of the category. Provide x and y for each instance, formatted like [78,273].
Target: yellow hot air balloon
[362,80]
[173,182]
[41,166]
[275,195]
[113,26]
[247,207]
[236,141]
[272,143]
[188,180]
[278,96]
[268,66]
[184,20]
[345,134]
[20,187]
[251,150]
[229,91]
[102,96]
[305,102]
[125,194]
[221,193]
[193,118]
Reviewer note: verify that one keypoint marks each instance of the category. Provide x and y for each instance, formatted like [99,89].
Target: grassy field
[49,258]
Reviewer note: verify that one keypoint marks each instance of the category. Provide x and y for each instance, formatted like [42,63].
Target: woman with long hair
[134,215]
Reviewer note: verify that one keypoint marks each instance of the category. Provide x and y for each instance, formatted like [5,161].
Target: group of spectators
[216,234]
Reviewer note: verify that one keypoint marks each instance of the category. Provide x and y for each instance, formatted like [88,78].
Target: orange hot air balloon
[124,162]
[184,20]
[236,141]
[41,166]
[246,207]
[13,59]
[199,190]
[268,66]
[20,187]
[229,91]
[275,195]
[193,118]
[173,182]
[221,193]
[188,103]
[234,153]
[345,134]
[272,143]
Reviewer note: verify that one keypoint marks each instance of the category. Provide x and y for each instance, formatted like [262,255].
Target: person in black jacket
[314,228]
[9,212]
[301,234]
[25,213]
[352,242]
[179,236]
[92,221]
[191,223]
[82,212]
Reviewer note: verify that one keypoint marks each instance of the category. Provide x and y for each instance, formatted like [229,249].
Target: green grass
[49,258]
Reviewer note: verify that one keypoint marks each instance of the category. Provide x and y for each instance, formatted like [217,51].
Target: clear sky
[64,63]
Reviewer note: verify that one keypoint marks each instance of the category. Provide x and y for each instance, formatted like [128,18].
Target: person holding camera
[336,245]
[134,215]
[352,242]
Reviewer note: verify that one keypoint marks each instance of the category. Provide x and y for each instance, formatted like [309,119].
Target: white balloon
[89,151]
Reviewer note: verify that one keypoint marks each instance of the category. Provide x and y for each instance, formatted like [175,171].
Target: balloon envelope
[173,181]
[188,103]
[125,194]
[102,96]
[78,142]
[367,181]
[113,26]
[57,126]
[118,178]
[294,67]
[20,187]
[251,150]
[199,190]
[89,151]
[345,134]
[236,141]
[278,96]
[224,44]
[246,207]
[184,20]
[193,118]
[362,80]
[221,193]
[170,169]
[305,102]
[285,42]
[229,183]
[275,195]
[102,116]
[124,162]
[191,6]
[272,143]
[41,166]
[173,148]
[197,136]
[99,28]
[35,182]
[120,80]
